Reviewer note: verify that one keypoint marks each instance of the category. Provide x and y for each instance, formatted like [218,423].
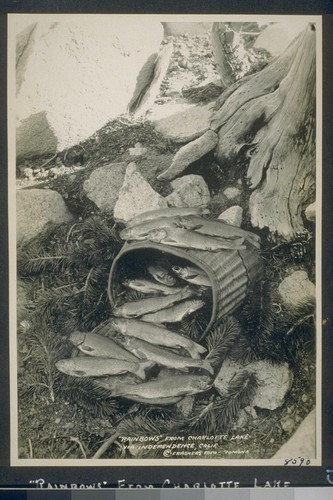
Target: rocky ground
[71,208]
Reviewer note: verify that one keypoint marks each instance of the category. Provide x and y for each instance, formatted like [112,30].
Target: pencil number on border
[297,461]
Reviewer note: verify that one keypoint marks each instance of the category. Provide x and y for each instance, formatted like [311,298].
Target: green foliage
[40,376]
[195,324]
[221,338]
[240,393]
[84,394]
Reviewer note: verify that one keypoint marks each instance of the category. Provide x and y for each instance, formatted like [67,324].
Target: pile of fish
[186,228]
[120,353]
[135,354]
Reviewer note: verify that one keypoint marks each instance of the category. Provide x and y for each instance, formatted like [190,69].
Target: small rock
[185,126]
[136,196]
[310,212]
[35,208]
[232,193]
[287,424]
[305,398]
[138,151]
[28,172]
[303,442]
[297,290]
[104,184]
[233,216]
[274,381]
[189,191]
[190,153]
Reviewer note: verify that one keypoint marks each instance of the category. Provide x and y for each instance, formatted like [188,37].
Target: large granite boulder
[35,208]
[79,73]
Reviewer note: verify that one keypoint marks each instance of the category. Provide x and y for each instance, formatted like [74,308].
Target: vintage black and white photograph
[165,189]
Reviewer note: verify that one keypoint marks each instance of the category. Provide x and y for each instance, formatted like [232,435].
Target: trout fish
[175,313]
[151,304]
[217,228]
[172,387]
[140,231]
[93,344]
[193,275]
[162,275]
[166,212]
[179,237]
[114,385]
[99,367]
[156,335]
[146,286]
[162,356]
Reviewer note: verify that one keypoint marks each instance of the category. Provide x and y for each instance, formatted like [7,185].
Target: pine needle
[86,395]
[240,394]
[221,338]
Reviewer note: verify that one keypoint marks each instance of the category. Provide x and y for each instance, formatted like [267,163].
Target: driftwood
[271,114]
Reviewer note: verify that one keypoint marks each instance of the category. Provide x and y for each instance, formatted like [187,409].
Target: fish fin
[196,350]
[207,366]
[253,242]
[86,349]
[193,352]
[198,226]
[170,240]
[139,354]
[79,373]
[193,275]
[141,371]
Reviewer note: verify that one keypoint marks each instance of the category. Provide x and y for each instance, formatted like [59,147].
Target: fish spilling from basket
[141,352]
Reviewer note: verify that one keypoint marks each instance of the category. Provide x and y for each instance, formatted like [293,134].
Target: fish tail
[195,350]
[254,242]
[207,366]
[141,371]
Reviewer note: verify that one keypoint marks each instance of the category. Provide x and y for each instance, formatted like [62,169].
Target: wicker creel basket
[231,272]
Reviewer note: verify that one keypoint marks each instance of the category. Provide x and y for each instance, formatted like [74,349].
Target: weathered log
[222,38]
[273,112]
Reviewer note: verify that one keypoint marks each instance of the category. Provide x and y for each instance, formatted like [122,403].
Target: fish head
[65,366]
[137,284]
[156,235]
[178,270]
[77,338]
[132,233]
[118,324]
[125,234]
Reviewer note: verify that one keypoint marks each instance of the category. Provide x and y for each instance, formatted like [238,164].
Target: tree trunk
[272,113]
